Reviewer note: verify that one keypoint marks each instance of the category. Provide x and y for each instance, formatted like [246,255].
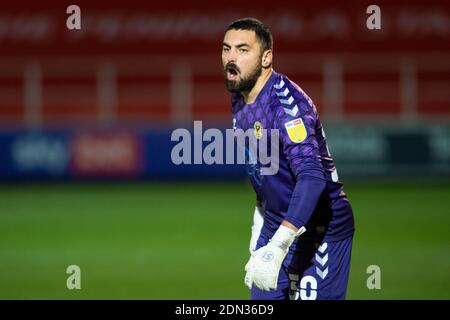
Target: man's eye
[243,50]
[226,49]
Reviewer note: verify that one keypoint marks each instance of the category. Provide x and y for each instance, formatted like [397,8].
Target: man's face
[241,60]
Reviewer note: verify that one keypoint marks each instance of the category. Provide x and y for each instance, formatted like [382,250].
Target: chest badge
[258,130]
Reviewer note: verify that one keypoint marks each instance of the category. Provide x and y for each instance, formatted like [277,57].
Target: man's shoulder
[289,98]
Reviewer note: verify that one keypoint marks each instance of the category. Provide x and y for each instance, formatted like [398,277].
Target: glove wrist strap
[284,237]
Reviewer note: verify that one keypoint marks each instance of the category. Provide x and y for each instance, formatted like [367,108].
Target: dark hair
[262,31]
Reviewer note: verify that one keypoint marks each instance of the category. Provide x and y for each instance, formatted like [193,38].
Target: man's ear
[266,59]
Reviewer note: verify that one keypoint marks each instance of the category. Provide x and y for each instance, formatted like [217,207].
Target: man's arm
[302,151]
[303,202]
[300,146]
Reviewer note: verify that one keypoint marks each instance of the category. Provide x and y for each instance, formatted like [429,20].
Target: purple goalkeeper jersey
[305,190]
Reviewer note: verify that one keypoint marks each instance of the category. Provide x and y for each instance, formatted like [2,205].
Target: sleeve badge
[296,130]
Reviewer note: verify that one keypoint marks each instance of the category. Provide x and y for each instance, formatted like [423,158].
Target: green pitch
[190,240]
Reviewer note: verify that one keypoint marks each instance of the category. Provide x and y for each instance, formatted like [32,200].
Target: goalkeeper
[303,224]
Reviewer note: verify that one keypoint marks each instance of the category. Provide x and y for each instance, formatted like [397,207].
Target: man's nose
[231,56]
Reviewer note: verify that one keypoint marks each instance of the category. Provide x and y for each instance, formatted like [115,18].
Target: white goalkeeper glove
[265,264]
[258,221]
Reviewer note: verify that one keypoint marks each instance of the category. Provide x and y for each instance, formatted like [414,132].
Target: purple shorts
[314,272]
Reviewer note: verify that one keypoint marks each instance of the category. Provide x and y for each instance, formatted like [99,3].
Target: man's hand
[264,265]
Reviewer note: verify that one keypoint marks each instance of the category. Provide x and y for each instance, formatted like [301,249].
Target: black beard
[244,84]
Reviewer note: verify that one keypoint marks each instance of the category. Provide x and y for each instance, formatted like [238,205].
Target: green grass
[190,240]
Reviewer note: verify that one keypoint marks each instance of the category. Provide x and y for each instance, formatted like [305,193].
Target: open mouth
[232,73]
